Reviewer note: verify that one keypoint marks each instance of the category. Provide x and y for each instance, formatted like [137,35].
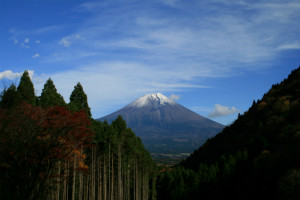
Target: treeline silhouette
[53,150]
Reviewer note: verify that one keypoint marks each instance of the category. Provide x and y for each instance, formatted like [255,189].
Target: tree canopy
[26,89]
[10,97]
[50,97]
[78,100]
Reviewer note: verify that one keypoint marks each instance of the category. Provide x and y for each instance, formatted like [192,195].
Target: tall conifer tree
[26,89]
[50,97]
[10,97]
[78,100]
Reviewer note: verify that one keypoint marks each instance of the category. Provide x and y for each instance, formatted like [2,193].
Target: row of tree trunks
[110,177]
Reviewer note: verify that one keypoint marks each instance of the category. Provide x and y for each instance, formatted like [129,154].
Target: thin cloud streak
[172,40]
[116,83]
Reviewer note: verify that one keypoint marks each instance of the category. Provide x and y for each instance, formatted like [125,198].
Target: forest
[256,157]
[50,149]
[53,150]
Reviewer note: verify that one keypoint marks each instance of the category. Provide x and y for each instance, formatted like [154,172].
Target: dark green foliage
[50,97]
[118,141]
[10,98]
[26,89]
[256,156]
[78,100]
[289,184]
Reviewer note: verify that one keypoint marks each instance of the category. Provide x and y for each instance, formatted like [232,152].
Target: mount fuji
[166,128]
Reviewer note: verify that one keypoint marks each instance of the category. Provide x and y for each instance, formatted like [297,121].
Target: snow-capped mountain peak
[151,99]
[165,126]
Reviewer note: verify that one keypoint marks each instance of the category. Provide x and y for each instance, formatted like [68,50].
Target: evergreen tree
[50,97]
[10,97]
[26,89]
[78,100]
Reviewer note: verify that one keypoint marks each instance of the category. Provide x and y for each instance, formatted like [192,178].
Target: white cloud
[65,42]
[37,41]
[221,111]
[8,74]
[36,55]
[174,97]
[26,40]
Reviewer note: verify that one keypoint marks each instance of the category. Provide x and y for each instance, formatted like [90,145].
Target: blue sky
[212,56]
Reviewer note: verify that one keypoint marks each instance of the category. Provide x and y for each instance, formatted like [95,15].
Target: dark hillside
[256,156]
[271,123]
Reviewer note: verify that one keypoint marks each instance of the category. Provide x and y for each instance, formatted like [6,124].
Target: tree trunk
[87,187]
[74,178]
[109,173]
[119,173]
[65,181]
[128,182]
[80,181]
[153,188]
[92,190]
[99,181]
[136,181]
[104,178]
[80,185]
[112,177]
[58,181]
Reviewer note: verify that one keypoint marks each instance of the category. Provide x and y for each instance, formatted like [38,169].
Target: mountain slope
[269,124]
[257,156]
[165,126]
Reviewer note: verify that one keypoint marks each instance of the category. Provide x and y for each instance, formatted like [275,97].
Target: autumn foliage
[33,140]
[53,150]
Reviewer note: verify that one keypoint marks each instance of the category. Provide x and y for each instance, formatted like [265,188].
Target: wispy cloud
[26,40]
[289,47]
[36,55]
[68,40]
[123,50]
[65,42]
[174,97]
[133,49]
[14,40]
[221,111]
[44,30]
[224,41]
[25,45]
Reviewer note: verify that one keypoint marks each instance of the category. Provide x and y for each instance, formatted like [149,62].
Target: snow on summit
[151,99]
